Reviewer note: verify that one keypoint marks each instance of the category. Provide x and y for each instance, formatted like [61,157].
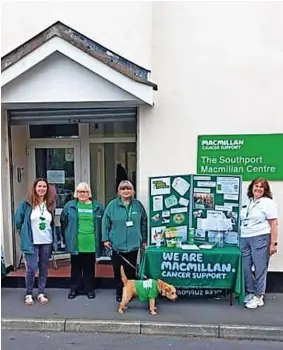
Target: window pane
[54,131]
[113,129]
[48,159]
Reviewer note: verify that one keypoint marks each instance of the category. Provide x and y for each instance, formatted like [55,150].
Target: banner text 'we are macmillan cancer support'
[193,266]
[257,155]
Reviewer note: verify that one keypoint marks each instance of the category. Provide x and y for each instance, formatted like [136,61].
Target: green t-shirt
[86,229]
[127,206]
[146,289]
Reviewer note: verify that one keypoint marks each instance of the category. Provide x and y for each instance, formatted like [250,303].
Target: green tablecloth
[217,268]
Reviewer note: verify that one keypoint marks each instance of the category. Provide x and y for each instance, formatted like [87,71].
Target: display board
[215,207]
[169,207]
[209,204]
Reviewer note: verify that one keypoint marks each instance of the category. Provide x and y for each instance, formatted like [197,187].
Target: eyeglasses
[82,191]
[125,188]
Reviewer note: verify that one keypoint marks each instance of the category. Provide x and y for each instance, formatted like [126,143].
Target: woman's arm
[274,235]
[19,216]
[106,226]
[144,224]
[64,220]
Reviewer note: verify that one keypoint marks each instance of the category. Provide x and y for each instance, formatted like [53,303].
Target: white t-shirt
[255,216]
[43,235]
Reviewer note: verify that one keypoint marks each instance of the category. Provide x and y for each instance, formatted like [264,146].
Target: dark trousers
[130,272]
[82,270]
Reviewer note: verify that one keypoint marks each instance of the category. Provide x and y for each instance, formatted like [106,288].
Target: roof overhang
[41,48]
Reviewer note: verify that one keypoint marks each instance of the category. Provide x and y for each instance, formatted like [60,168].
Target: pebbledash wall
[218,66]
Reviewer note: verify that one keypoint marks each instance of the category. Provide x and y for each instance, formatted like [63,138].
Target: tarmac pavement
[190,317]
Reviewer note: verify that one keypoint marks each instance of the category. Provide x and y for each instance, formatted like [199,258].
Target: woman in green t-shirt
[80,224]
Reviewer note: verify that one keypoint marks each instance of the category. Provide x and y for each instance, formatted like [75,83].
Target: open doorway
[110,163]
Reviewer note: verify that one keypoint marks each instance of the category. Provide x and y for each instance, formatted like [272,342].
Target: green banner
[216,268]
[258,155]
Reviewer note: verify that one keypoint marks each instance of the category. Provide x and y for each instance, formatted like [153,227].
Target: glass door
[54,165]
[60,165]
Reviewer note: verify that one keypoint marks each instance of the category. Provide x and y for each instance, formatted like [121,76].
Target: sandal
[29,300]
[42,298]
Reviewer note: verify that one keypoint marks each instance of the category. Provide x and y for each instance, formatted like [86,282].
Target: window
[54,131]
[113,129]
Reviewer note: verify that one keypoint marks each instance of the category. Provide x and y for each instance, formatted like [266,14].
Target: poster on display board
[216,204]
[207,203]
[169,200]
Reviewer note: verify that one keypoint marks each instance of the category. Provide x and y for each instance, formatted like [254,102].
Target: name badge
[129,223]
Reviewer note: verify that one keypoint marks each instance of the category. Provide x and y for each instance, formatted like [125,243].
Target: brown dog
[145,290]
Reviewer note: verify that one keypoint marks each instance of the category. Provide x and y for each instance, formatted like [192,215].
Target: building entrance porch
[101,154]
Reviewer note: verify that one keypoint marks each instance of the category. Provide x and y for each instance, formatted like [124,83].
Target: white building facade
[135,84]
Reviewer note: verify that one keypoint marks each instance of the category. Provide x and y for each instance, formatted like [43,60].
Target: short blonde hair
[82,186]
[126,183]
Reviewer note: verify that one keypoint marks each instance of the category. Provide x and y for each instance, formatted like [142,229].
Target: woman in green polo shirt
[124,228]
[80,224]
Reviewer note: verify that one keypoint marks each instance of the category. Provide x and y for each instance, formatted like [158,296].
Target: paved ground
[78,341]
[194,311]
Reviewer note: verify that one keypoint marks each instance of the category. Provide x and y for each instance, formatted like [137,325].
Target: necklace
[42,223]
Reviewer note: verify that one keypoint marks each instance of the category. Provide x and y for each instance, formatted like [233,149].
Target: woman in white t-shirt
[35,223]
[259,233]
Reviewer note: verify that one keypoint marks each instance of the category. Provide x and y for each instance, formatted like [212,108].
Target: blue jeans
[37,261]
[255,252]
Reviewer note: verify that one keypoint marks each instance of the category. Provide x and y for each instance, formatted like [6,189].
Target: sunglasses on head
[125,188]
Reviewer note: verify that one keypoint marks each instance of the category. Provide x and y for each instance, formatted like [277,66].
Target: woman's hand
[107,244]
[274,236]
[144,245]
[272,249]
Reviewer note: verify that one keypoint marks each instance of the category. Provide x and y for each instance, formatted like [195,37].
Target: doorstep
[59,277]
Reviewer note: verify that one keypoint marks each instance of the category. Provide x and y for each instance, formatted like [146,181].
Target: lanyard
[42,209]
[42,223]
[250,208]
[129,210]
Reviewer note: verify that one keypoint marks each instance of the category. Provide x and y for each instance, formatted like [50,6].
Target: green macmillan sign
[258,155]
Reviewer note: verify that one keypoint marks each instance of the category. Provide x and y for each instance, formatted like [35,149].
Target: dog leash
[134,267]
[129,263]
